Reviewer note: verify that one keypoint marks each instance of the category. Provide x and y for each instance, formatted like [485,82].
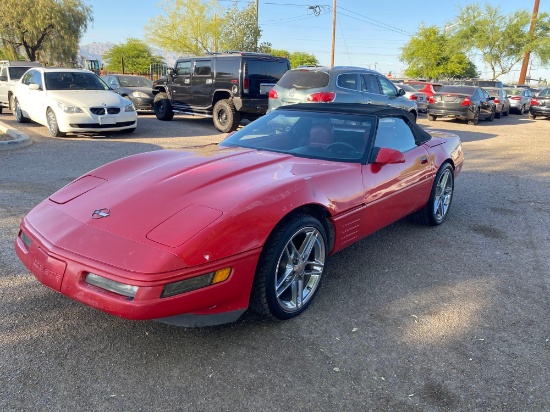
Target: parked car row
[472,103]
[232,86]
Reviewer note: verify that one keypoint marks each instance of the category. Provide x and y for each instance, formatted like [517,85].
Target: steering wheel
[335,145]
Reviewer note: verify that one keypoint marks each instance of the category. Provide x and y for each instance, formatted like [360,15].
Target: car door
[181,85]
[370,89]
[390,94]
[4,86]
[393,191]
[202,82]
[527,98]
[23,94]
[485,103]
[38,104]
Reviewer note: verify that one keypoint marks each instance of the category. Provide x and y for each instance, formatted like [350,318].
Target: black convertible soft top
[420,134]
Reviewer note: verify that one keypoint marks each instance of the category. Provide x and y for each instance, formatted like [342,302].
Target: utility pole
[527,54]
[257,27]
[333,33]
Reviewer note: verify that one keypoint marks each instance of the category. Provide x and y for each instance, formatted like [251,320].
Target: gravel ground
[453,318]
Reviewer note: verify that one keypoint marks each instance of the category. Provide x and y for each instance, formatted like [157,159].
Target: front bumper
[142,103]
[65,272]
[89,122]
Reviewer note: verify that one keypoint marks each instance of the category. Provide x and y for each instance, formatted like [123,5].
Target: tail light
[245,85]
[534,101]
[321,97]
[515,98]
[272,94]
[413,97]
[431,100]
[466,101]
[497,101]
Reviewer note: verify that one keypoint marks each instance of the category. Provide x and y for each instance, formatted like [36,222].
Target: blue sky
[369,33]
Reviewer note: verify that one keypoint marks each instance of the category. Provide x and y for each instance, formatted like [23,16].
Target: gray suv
[338,85]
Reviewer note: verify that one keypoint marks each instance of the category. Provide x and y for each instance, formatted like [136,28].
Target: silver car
[411,93]
[520,99]
[338,85]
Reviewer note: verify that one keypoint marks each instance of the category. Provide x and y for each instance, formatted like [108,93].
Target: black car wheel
[436,210]
[225,116]
[522,109]
[499,114]
[432,117]
[532,116]
[19,113]
[290,268]
[53,127]
[491,116]
[507,112]
[475,119]
[163,107]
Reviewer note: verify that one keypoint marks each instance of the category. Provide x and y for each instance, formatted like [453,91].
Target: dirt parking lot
[452,318]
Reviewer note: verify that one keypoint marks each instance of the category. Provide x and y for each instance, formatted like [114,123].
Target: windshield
[469,90]
[17,72]
[330,136]
[513,92]
[73,81]
[544,93]
[134,81]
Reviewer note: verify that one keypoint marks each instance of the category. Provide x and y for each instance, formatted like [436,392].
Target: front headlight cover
[137,93]
[69,109]
[130,108]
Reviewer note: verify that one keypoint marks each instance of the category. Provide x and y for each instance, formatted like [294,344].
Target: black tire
[12,103]
[532,116]
[522,109]
[498,115]
[507,112]
[475,120]
[293,259]
[437,209]
[19,113]
[491,117]
[226,118]
[53,127]
[1,108]
[163,107]
[432,117]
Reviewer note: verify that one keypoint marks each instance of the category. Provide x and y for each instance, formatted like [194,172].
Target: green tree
[238,29]
[49,29]
[136,54]
[186,26]
[296,58]
[502,40]
[433,55]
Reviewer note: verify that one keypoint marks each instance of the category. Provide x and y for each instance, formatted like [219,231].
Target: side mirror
[389,156]
[34,86]
[171,72]
[401,92]
[3,78]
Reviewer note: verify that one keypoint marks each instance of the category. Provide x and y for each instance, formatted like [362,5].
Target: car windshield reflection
[330,136]
[73,81]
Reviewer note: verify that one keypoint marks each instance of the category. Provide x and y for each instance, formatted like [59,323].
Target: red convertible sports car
[194,237]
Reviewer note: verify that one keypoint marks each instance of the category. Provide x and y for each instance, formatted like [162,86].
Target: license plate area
[107,120]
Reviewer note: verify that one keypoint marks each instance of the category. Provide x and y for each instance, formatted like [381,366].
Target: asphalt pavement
[413,318]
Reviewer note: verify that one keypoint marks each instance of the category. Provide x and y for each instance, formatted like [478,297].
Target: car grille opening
[105,110]
[100,126]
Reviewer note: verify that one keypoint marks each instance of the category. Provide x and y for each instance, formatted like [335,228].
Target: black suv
[227,87]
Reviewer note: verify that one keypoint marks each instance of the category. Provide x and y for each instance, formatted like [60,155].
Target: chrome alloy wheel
[299,269]
[443,195]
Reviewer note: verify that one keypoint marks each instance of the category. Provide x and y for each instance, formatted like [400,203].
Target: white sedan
[71,101]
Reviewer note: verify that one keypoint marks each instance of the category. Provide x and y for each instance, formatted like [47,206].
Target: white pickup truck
[10,72]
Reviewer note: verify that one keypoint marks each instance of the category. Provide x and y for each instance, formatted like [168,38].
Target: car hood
[87,98]
[165,198]
[130,90]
